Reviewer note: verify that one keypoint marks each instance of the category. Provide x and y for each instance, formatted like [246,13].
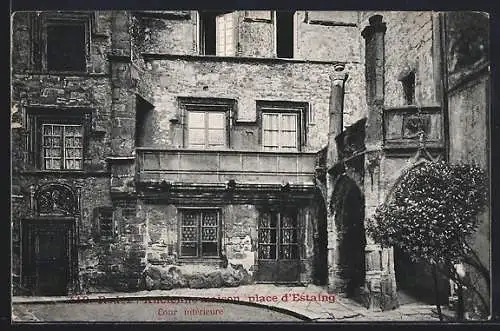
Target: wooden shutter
[225,34]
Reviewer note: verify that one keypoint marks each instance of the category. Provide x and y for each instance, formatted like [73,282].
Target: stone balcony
[223,166]
[410,126]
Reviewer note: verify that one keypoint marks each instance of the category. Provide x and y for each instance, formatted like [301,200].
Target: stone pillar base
[379,293]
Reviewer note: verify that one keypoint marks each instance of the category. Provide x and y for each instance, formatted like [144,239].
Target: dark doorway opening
[284,34]
[415,282]
[321,247]
[48,254]
[348,202]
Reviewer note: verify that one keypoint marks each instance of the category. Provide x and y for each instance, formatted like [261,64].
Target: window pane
[189,234]
[267,252]
[289,122]
[288,139]
[56,130]
[270,138]
[209,234]
[288,252]
[196,120]
[209,249]
[189,249]
[216,120]
[190,218]
[196,137]
[47,129]
[209,218]
[270,121]
[216,137]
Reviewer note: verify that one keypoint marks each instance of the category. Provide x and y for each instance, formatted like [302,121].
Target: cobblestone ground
[310,301]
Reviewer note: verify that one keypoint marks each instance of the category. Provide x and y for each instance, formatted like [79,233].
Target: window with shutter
[283,125]
[218,33]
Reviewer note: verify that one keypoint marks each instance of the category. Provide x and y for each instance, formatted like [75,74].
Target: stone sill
[215,151]
[62,73]
[234,59]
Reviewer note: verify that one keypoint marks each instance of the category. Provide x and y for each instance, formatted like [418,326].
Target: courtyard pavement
[281,297]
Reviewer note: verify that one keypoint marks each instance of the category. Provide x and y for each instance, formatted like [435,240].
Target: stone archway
[347,205]
[414,280]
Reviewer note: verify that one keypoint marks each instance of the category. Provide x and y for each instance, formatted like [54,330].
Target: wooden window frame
[284,107]
[278,228]
[226,106]
[199,211]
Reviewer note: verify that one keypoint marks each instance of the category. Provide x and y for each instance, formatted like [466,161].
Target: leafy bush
[432,212]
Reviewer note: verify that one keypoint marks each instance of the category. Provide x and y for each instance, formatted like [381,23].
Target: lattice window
[278,236]
[62,146]
[200,233]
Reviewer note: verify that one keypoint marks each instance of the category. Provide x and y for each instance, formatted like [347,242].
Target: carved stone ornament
[55,199]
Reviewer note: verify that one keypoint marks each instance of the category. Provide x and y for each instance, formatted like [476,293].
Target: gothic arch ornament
[56,199]
[421,157]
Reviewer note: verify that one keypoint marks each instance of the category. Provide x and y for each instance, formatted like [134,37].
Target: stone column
[380,284]
[122,159]
[338,78]
[336,112]
[122,105]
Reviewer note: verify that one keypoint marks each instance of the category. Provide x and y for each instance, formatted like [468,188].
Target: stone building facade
[160,149]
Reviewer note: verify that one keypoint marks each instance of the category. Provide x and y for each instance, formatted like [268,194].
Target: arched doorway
[347,203]
[415,280]
[49,256]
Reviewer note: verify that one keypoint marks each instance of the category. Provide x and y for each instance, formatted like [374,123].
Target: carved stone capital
[339,76]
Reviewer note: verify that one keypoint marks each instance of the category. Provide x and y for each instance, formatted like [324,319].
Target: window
[66,47]
[278,236]
[105,223]
[218,33]
[282,125]
[62,146]
[206,129]
[206,122]
[199,233]
[61,41]
[409,88]
[284,34]
[56,139]
[280,131]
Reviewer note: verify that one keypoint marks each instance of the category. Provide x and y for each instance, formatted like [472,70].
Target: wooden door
[46,255]
[278,259]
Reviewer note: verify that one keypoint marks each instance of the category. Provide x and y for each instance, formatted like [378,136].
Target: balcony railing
[204,166]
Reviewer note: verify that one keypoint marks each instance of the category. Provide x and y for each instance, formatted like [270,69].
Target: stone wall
[246,82]
[408,46]
[239,240]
